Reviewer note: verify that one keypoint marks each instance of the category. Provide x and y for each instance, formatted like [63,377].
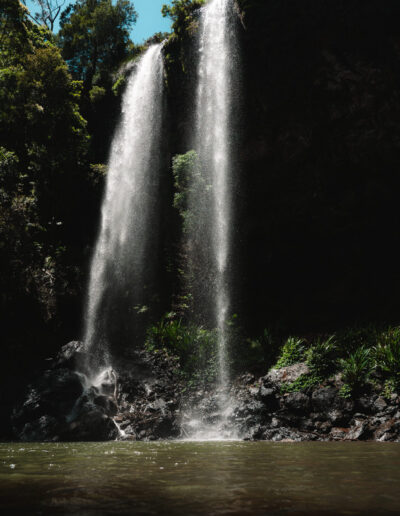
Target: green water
[185,478]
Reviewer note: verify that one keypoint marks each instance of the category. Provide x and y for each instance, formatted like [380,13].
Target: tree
[180,13]
[49,12]
[13,31]
[94,38]
[42,167]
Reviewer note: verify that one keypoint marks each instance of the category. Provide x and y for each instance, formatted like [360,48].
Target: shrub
[292,352]
[351,339]
[194,346]
[356,368]
[322,357]
[387,354]
[255,355]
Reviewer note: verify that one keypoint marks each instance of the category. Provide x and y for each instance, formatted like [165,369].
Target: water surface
[200,478]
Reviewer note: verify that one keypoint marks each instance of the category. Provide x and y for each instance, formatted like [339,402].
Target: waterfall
[122,262]
[215,104]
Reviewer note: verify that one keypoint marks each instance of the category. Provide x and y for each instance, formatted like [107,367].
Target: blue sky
[150,19]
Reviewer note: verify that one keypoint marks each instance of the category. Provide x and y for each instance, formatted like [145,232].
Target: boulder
[297,402]
[324,398]
[93,425]
[380,404]
[339,433]
[338,418]
[45,428]
[72,356]
[53,394]
[360,430]
[365,404]
[278,377]
[266,394]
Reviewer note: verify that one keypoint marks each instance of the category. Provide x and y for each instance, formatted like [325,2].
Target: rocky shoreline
[144,399]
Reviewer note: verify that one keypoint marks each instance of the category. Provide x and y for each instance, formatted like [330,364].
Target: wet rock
[255,407]
[358,431]
[284,434]
[306,425]
[72,356]
[265,394]
[53,394]
[107,404]
[337,418]
[284,375]
[365,404]
[254,391]
[323,426]
[324,398]
[247,379]
[45,428]
[380,404]
[166,427]
[93,425]
[345,405]
[339,434]
[298,402]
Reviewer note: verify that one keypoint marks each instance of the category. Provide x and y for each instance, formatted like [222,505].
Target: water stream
[124,256]
[122,261]
[217,74]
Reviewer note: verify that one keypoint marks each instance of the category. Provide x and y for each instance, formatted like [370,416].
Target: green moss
[303,383]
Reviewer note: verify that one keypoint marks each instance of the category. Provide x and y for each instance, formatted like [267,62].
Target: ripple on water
[192,478]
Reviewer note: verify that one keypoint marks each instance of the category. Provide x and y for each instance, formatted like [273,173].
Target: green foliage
[292,352]
[321,357]
[194,346]
[184,167]
[368,349]
[94,37]
[119,85]
[96,93]
[181,14]
[255,355]
[390,387]
[356,368]
[188,183]
[387,354]
[43,179]
[14,32]
[351,339]
[345,391]
[49,10]
[303,383]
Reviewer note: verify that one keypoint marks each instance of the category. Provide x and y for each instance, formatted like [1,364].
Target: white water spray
[217,74]
[121,260]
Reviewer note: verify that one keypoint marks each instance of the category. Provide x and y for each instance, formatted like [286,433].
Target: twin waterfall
[123,256]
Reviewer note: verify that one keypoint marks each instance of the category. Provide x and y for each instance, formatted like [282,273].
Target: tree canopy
[180,12]
[49,11]
[94,37]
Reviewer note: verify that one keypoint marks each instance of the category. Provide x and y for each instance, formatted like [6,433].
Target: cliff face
[319,153]
[320,157]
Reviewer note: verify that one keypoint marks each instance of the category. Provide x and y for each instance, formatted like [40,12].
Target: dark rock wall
[317,222]
[320,161]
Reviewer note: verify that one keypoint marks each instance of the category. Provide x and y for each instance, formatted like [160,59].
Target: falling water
[217,73]
[122,257]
